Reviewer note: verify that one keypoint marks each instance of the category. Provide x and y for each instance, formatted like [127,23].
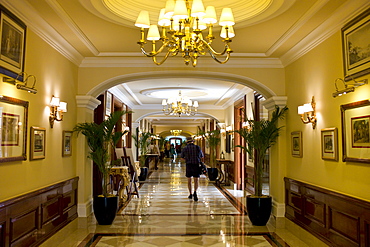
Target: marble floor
[164,216]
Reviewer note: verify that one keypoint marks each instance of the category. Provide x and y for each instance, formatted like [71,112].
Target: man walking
[192,155]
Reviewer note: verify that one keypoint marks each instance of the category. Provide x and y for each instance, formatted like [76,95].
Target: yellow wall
[314,75]
[55,75]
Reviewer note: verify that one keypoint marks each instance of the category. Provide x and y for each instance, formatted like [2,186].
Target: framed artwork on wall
[13,127]
[329,144]
[12,44]
[67,143]
[356,42]
[356,131]
[296,144]
[38,138]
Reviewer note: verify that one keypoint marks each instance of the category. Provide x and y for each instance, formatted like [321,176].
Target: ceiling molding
[332,25]
[72,25]
[293,29]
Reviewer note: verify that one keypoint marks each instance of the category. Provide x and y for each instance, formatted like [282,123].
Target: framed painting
[12,40]
[67,143]
[329,144]
[356,131]
[356,42]
[38,138]
[13,127]
[296,144]
[108,103]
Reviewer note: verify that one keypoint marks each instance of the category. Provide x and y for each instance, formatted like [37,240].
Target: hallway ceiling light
[182,31]
[175,132]
[179,105]
[348,86]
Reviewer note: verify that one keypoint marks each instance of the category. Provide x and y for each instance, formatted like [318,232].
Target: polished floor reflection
[164,216]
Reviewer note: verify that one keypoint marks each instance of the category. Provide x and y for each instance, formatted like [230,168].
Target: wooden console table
[224,178]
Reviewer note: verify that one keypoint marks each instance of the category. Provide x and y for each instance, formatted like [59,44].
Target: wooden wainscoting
[337,219]
[30,219]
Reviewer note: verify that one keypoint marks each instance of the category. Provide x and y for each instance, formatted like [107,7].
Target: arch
[255,85]
[160,112]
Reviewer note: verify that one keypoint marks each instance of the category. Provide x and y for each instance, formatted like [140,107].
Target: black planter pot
[212,173]
[143,173]
[105,209]
[259,209]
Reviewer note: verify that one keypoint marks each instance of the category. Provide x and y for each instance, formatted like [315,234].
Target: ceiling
[266,30]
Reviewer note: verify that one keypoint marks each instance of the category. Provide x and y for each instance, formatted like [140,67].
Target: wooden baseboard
[30,219]
[337,219]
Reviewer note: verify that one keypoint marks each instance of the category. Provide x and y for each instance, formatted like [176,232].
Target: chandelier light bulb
[230,32]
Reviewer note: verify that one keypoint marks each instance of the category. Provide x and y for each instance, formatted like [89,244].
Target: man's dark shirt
[192,154]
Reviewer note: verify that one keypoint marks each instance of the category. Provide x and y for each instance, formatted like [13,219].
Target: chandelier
[179,105]
[175,132]
[182,31]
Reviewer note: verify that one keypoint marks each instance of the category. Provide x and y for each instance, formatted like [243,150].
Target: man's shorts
[192,170]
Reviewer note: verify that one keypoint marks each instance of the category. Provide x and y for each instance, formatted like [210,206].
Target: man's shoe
[190,196]
[195,197]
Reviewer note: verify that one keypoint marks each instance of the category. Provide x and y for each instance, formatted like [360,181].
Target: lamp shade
[308,107]
[164,102]
[227,17]
[300,109]
[142,20]
[230,32]
[62,107]
[195,104]
[170,6]
[162,20]
[180,10]
[197,9]
[153,33]
[54,101]
[210,16]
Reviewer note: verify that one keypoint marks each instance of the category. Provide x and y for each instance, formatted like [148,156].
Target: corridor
[164,216]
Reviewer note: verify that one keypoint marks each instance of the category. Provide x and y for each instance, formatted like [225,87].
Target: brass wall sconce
[22,85]
[224,129]
[56,110]
[308,113]
[348,86]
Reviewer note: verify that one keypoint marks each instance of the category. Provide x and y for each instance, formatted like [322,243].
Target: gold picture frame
[38,140]
[329,144]
[13,126]
[355,40]
[296,144]
[356,131]
[67,143]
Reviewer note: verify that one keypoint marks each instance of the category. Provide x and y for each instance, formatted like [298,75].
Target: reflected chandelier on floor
[179,105]
[182,31]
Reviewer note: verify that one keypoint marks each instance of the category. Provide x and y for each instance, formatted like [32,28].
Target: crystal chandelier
[182,31]
[175,132]
[179,105]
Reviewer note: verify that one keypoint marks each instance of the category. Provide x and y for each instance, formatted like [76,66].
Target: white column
[278,159]
[85,113]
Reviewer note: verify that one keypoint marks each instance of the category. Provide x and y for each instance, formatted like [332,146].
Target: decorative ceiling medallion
[168,92]
[246,12]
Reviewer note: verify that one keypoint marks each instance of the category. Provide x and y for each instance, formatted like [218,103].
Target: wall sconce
[308,112]
[56,110]
[22,85]
[348,86]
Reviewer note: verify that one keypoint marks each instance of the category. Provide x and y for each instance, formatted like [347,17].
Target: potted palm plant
[213,139]
[142,141]
[259,136]
[101,139]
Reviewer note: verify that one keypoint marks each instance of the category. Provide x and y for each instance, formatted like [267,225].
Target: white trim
[278,209]
[87,101]
[85,209]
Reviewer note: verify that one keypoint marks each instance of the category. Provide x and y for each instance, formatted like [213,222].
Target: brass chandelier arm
[211,50]
[154,53]
[154,58]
